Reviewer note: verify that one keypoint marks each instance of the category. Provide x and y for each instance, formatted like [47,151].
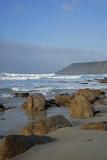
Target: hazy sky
[49,28]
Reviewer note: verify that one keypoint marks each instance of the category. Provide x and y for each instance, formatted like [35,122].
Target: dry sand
[73,143]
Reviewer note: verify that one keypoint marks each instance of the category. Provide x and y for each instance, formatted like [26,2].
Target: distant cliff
[99,67]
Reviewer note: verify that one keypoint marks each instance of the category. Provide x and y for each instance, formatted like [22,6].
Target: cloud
[70,5]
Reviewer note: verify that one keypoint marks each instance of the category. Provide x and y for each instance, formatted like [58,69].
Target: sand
[73,143]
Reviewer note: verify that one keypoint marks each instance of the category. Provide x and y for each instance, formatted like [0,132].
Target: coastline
[71,142]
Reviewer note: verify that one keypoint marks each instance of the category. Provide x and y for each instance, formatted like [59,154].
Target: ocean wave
[14,76]
[5,95]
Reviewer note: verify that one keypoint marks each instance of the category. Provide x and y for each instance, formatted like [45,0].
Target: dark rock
[2,108]
[52,103]
[15,144]
[103,80]
[19,94]
[46,125]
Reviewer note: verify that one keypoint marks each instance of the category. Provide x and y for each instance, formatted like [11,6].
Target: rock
[99,94]
[63,99]
[100,102]
[80,107]
[46,125]
[2,108]
[96,126]
[103,80]
[91,94]
[12,145]
[87,93]
[19,94]
[37,102]
[84,83]
[51,103]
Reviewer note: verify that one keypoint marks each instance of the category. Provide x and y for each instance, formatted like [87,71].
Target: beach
[70,142]
[73,143]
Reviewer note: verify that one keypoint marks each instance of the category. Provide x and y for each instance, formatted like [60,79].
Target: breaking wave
[13,76]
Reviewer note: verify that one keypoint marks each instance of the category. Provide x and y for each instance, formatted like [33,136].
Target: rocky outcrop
[96,126]
[46,125]
[80,107]
[12,145]
[37,102]
[63,99]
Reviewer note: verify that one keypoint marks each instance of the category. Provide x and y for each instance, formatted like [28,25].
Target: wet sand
[73,143]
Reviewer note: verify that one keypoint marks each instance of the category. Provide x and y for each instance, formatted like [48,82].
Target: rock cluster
[82,104]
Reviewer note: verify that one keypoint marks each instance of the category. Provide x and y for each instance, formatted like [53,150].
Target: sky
[45,35]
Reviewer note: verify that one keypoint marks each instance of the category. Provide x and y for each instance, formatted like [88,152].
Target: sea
[49,85]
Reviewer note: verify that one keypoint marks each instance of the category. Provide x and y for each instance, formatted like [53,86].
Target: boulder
[87,93]
[91,94]
[2,108]
[63,99]
[46,125]
[12,145]
[80,107]
[19,94]
[37,102]
[96,126]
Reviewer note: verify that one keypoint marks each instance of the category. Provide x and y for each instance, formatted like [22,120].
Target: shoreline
[71,142]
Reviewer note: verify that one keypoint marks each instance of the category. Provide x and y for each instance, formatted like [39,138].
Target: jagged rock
[63,99]
[12,145]
[2,108]
[96,126]
[80,107]
[42,127]
[37,102]
[19,94]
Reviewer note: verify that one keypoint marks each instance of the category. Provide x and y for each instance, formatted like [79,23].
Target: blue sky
[65,31]
[67,23]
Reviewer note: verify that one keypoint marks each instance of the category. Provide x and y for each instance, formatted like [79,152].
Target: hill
[98,67]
